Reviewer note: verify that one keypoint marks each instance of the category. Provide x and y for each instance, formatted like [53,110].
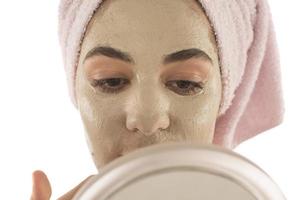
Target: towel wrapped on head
[252,100]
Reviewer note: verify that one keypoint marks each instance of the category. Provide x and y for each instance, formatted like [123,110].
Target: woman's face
[154,77]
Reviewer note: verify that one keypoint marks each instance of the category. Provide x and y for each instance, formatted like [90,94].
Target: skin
[144,111]
[150,105]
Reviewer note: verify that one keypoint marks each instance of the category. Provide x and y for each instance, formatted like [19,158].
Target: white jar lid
[181,171]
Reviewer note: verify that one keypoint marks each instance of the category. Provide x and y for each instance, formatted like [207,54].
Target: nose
[147,113]
[148,125]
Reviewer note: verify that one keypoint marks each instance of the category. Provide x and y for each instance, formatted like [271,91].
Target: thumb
[41,189]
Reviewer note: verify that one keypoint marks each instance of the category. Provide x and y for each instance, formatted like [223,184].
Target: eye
[185,87]
[110,85]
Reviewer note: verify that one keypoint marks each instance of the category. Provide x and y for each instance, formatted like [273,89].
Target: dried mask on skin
[148,73]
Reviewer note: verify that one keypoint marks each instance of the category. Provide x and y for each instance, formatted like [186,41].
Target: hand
[41,189]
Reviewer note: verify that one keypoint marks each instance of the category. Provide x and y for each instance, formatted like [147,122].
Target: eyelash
[100,84]
[197,87]
[170,84]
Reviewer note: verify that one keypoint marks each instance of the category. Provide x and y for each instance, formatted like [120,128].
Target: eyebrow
[115,53]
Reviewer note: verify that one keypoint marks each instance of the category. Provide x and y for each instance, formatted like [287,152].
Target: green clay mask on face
[154,77]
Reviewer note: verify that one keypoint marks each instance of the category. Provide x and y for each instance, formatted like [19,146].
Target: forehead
[156,26]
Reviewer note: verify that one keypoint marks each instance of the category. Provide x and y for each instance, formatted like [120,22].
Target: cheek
[96,116]
[101,131]
[91,107]
[198,125]
[86,110]
[196,116]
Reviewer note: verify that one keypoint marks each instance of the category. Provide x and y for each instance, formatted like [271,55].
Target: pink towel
[250,70]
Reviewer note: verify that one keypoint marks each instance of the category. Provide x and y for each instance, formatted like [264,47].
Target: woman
[144,72]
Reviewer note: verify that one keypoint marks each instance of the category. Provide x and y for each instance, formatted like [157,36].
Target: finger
[71,193]
[41,189]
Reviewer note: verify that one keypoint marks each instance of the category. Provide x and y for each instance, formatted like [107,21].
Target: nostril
[135,130]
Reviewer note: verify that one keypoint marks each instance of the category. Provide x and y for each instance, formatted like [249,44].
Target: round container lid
[180,171]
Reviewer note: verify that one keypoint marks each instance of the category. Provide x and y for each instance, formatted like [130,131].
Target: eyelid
[102,67]
[188,76]
[106,74]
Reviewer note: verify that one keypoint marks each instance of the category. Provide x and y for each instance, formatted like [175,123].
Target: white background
[40,129]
